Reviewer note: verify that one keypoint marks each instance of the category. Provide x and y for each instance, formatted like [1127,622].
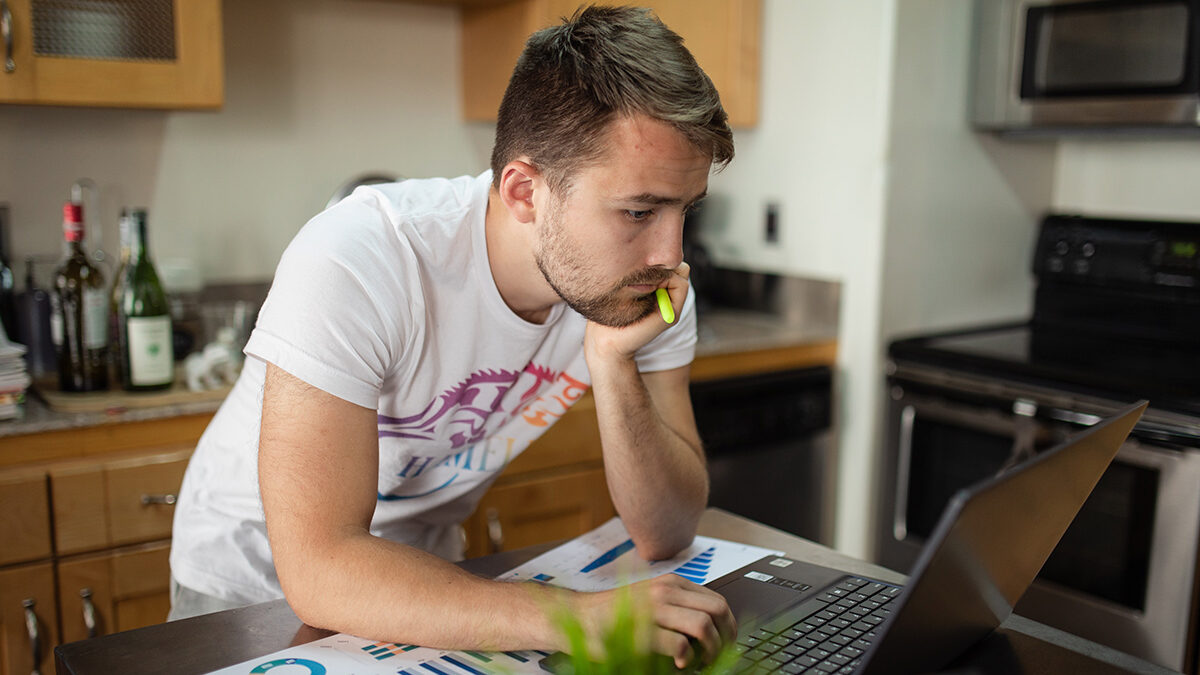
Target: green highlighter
[664,305]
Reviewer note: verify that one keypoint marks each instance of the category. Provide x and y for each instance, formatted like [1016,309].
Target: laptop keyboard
[826,634]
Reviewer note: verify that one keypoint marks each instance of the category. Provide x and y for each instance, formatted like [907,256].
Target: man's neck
[514,269]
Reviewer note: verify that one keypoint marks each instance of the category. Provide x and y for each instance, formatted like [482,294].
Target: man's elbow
[662,547]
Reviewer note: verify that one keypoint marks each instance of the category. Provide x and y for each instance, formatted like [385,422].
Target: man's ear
[518,182]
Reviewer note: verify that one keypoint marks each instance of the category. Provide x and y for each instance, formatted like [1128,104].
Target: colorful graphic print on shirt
[469,416]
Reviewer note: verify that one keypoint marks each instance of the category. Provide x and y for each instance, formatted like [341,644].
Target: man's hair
[574,79]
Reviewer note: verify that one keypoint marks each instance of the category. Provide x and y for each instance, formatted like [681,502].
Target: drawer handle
[89,611]
[167,499]
[35,636]
[6,27]
[495,530]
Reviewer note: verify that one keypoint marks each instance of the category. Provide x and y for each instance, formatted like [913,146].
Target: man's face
[617,235]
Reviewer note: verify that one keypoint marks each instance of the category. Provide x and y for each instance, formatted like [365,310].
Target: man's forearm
[364,585]
[657,478]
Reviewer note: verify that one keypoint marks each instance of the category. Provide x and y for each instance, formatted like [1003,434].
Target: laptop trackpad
[755,601]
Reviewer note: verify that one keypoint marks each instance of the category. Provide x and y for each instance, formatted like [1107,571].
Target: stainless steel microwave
[1079,64]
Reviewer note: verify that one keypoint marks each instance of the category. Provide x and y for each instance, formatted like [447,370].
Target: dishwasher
[768,441]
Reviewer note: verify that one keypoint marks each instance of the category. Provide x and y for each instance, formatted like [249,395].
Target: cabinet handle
[89,611]
[495,530]
[35,636]
[6,28]
[167,499]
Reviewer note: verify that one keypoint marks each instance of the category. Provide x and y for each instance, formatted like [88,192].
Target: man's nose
[667,246]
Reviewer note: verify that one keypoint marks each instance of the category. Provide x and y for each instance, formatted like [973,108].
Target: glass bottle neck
[137,242]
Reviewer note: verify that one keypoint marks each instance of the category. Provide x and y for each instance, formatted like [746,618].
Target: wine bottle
[79,318]
[116,350]
[8,297]
[145,318]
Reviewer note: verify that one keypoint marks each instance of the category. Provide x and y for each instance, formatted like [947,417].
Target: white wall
[819,153]
[315,92]
[1158,178]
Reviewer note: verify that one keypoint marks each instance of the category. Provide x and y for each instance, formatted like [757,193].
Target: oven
[965,405]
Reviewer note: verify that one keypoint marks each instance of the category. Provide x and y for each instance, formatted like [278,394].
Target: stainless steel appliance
[767,438]
[1087,63]
[1116,318]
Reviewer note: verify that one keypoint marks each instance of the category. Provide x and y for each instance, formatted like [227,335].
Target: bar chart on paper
[605,558]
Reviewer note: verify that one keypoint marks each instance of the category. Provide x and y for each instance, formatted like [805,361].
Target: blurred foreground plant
[626,646]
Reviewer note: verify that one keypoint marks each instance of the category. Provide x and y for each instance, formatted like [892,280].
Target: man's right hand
[683,614]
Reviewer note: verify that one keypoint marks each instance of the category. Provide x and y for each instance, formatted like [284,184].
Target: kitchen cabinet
[163,54]
[85,526]
[28,619]
[723,35]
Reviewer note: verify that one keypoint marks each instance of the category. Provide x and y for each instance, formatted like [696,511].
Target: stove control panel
[1104,251]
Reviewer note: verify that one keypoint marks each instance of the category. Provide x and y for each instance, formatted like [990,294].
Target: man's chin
[614,317]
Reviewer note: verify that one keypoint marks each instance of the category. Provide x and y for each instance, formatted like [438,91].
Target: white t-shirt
[386,300]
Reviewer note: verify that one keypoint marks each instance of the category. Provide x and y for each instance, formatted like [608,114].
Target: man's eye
[638,215]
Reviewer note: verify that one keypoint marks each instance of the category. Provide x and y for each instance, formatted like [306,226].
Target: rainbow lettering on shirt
[466,418]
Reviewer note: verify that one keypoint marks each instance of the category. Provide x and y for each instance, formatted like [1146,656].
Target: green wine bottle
[79,318]
[144,323]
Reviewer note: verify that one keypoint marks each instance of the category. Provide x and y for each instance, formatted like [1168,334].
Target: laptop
[992,539]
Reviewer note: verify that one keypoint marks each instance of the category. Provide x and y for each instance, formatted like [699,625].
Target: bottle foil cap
[72,221]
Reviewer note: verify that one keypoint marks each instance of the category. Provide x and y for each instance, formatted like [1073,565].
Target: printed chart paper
[599,560]
[604,558]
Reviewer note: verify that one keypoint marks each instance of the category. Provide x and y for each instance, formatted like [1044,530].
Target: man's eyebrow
[660,200]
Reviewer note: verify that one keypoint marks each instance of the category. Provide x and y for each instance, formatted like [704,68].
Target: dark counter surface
[206,643]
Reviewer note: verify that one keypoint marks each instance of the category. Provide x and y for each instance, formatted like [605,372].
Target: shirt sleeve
[676,346]
[335,316]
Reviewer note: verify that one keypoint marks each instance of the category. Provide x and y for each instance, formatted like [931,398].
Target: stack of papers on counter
[14,377]
[599,560]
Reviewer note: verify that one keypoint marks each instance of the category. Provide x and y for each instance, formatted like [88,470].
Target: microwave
[1086,64]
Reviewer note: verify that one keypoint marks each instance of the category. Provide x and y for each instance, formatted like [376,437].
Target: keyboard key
[781,641]
[827,667]
[852,652]
[851,633]
[840,660]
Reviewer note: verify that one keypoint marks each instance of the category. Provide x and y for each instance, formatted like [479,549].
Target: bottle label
[95,318]
[151,357]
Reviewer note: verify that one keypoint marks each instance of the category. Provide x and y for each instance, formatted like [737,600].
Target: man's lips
[645,289]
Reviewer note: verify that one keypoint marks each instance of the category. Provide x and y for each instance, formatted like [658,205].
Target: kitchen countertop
[721,331]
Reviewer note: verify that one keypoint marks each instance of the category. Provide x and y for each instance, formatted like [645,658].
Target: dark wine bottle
[145,318]
[79,319]
[8,297]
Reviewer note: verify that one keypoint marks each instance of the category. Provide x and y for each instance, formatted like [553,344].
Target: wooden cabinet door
[117,502]
[190,76]
[723,35]
[27,603]
[114,591]
[24,516]
[17,85]
[538,510]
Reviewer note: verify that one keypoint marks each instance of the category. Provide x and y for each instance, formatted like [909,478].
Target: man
[412,327]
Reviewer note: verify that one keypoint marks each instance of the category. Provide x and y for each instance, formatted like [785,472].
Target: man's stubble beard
[560,265]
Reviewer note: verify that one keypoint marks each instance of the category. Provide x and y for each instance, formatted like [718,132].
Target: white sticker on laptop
[781,562]
[759,576]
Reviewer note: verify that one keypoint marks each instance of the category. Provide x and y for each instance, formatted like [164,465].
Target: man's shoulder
[427,198]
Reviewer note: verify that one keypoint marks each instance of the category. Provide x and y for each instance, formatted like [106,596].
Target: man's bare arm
[318,466]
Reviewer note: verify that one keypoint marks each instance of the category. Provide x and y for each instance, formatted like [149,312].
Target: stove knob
[1055,264]
[1089,249]
[1082,267]
[1062,247]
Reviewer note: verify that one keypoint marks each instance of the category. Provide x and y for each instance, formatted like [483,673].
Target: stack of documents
[14,377]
